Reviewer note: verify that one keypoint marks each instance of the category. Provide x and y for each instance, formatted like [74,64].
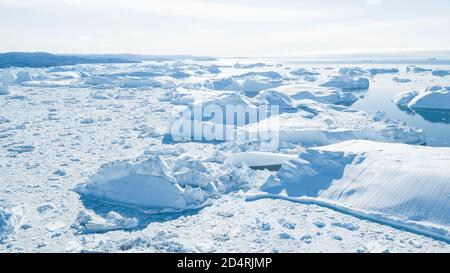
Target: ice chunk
[10,220]
[251,65]
[408,183]
[347,83]
[149,184]
[432,99]
[321,124]
[228,84]
[317,93]
[375,71]
[404,98]
[4,89]
[416,69]
[23,76]
[352,71]
[137,83]
[304,72]
[401,80]
[257,159]
[88,222]
[267,74]
[435,97]
[441,72]
[6,76]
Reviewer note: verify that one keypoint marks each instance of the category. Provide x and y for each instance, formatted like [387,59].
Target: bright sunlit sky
[225,27]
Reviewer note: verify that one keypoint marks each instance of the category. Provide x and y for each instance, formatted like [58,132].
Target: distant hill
[42,59]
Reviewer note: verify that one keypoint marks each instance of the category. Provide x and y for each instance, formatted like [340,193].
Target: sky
[226,27]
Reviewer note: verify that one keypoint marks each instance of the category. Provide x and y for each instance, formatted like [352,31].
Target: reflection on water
[431,115]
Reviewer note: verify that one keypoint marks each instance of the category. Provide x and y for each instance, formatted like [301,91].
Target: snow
[435,97]
[402,183]
[347,83]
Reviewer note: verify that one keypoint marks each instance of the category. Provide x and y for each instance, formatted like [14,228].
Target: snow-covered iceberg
[347,83]
[152,184]
[392,183]
[435,97]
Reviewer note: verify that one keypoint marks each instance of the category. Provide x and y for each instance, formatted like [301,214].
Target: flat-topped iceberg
[435,97]
[392,183]
[347,83]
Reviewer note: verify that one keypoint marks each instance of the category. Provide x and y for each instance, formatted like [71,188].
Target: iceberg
[441,72]
[393,183]
[352,71]
[401,80]
[304,72]
[137,83]
[9,220]
[322,124]
[4,89]
[150,184]
[347,83]
[435,97]
[23,76]
[375,71]
[317,93]
[416,69]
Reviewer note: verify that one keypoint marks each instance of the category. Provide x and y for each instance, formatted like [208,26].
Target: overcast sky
[224,27]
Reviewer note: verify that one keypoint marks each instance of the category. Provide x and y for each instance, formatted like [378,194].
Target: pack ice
[393,183]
